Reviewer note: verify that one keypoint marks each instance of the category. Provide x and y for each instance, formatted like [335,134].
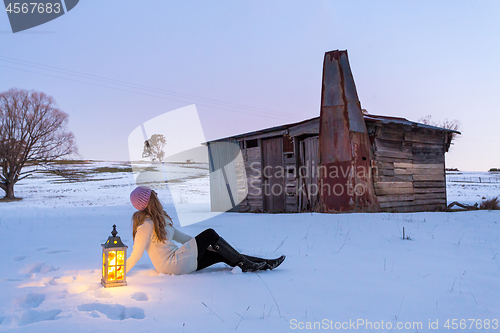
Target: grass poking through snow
[490,204]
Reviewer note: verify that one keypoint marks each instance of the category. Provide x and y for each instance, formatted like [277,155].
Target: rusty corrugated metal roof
[367,117]
[403,121]
[265,130]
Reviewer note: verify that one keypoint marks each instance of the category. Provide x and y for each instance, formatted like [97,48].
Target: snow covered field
[343,272]
[472,187]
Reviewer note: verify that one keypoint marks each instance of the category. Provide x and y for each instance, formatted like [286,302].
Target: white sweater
[166,257]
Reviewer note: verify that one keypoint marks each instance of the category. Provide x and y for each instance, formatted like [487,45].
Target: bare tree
[154,147]
[454,124]
[32,132]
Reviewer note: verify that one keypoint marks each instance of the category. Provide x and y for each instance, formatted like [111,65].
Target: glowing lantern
[114,259]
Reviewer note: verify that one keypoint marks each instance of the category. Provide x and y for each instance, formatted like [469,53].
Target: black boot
[270,263]
[235,258]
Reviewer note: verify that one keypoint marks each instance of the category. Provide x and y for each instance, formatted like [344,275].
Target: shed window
[287,144]
[252,143]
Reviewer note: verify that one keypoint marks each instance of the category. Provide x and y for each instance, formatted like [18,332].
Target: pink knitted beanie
[140,197]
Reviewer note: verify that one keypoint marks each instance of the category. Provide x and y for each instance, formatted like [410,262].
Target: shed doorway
[273,175]
[308,174]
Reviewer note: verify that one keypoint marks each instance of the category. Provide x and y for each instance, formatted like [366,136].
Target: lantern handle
[114,232]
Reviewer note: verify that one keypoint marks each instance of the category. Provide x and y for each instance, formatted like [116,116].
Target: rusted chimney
[345,176]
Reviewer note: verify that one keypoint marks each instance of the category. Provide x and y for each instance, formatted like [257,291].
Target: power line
[136,92]
[232,106]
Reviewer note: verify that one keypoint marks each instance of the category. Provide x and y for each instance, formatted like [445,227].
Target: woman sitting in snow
[153,233]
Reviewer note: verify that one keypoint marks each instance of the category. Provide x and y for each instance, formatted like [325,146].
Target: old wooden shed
[407,168]
[341,161]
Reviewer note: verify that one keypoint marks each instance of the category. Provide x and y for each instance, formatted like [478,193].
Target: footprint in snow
[30,301]
[102,293]
[78,288]
[38,267]
[113,312]
[95,314]
[48,280]
[34,316]
[140,296]
[56,251]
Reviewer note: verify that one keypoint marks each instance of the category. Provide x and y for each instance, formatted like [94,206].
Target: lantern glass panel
[111,273]
[112,258]
[119,273]
[120,257]
[103,265]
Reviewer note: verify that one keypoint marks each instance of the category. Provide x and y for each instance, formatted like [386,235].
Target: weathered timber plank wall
[253,170]
[409,169]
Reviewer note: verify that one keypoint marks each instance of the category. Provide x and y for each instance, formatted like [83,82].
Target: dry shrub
[490,204]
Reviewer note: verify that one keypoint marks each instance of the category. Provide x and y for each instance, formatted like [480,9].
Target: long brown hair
[155,211]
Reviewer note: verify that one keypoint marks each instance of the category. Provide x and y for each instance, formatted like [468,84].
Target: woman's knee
[213,234]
